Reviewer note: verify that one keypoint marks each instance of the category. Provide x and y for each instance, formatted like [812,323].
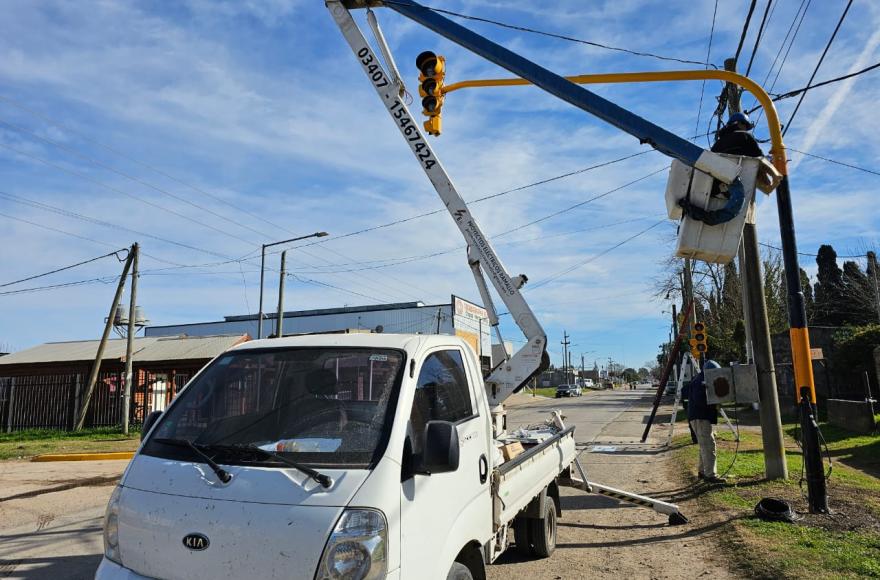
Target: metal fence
[50,401]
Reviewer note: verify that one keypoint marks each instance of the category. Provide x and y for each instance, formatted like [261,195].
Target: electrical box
[734,384]
[696,239]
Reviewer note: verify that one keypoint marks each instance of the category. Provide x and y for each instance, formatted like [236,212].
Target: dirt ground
[600,537]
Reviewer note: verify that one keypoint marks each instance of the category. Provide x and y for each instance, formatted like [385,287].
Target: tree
[857,305]
[829,289]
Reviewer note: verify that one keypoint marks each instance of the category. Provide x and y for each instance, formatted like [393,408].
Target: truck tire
[543,531]
[522,537]
[459,572]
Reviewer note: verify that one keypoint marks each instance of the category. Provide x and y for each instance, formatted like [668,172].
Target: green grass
[26,444]
[801,550]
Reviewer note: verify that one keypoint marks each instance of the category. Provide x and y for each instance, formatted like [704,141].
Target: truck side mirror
[149,422]
[441,452]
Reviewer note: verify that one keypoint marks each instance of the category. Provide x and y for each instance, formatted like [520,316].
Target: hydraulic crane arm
[514,372]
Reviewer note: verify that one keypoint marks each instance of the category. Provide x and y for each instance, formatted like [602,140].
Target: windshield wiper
[197,448]
[323,479]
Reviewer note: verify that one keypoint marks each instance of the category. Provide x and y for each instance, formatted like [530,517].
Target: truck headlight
[111,528]
[356,549]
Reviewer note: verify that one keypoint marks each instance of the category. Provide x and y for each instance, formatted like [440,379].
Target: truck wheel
[459,572]
[522,537]
[543,531]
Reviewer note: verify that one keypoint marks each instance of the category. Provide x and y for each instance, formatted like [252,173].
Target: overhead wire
[553,35]
[764,21]
[708,57]
[836,162]
[745,29]
[82,135]
[63,268]
[818,64]
[138,180]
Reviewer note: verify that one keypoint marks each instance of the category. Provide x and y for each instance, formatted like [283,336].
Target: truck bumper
[110,570]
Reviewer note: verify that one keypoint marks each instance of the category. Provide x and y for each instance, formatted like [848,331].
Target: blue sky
[260,105]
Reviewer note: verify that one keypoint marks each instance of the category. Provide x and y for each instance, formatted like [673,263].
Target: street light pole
[263,271]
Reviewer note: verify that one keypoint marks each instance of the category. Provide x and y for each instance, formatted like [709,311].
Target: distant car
[568,391]
[588,384]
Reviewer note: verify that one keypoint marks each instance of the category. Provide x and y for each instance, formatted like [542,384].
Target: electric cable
[851,166]
[550,34]
[68,128]
[745,29]
[116,253]
[796,92]
[103,280]
[764,21]
[593,258]
[125,193]
[708,56]
[102,165]
[818,64]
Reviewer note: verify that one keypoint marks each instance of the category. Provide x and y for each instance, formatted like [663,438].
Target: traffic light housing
[699,339]
[432,71]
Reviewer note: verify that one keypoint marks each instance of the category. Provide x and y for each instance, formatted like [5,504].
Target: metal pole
[262,278]
[758,331]
[129,343]
[93,375]
[279,322]
[800,353]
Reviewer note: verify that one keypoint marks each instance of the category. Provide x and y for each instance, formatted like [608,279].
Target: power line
[797,92]
[851,166]
[478,200]
[806,253]
[104,280]
[745,30]
[708,55]
[63,268]
[764,20]
[552,35]
[818,64]
[593,258]
[119,153]
[97,163]
[125,193]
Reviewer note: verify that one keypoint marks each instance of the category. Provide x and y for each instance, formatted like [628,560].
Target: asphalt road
[57,535]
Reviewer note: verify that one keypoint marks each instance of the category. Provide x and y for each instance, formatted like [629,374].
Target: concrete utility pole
[565,343]
[758,330]
[279,322]
[96,367]
[129,344]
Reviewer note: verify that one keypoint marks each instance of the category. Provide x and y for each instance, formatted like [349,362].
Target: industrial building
[459,317]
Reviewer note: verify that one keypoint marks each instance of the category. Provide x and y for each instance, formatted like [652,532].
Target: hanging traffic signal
[700,339]
[432,71]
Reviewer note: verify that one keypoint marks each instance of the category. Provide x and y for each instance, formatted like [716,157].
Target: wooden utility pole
[279,321]
[96,367]
[872,265]
[758,330]
[129,345]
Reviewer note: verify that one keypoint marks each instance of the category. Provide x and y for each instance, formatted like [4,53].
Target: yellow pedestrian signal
[432,71]
[699,339]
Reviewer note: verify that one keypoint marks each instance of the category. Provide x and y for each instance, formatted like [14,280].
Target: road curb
[116,455]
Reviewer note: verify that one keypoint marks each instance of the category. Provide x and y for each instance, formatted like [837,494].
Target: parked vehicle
[588,384]
[568,391]
[326,456]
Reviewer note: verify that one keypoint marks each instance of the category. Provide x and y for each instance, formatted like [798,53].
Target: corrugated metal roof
[145,349]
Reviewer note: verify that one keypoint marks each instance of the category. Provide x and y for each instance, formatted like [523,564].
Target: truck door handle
[484,468]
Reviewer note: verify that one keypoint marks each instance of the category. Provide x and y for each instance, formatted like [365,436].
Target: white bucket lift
[696,239]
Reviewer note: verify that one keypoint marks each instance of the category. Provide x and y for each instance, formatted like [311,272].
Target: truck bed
[522,478]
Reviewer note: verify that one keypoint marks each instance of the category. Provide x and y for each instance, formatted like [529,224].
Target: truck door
[441,513]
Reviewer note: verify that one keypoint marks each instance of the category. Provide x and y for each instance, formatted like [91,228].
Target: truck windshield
[329,407]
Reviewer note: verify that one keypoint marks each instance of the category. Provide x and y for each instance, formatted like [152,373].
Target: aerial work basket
[712,214]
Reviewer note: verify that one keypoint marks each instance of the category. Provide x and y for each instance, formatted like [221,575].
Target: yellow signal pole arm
[777,148]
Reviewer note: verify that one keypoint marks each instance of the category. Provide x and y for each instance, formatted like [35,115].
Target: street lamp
[263,270]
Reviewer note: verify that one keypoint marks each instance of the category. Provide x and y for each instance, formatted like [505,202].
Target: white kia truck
[339,456]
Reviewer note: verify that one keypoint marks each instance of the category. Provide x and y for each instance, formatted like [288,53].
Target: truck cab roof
[407,342]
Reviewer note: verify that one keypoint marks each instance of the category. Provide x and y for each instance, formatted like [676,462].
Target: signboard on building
[471,323]
[816,354]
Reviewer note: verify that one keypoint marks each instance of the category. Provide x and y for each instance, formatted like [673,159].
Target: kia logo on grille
[196,541]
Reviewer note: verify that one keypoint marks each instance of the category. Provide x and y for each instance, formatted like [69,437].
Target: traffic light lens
[700,337]
[430,87]
[426,61]
[429,104]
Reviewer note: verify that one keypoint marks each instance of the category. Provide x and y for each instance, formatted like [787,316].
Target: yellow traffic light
[700,339]
[432,71]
